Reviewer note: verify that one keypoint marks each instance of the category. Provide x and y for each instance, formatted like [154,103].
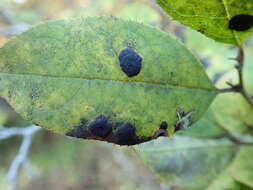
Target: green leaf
[234,117]
[226,182]
[211,17]
[186,162]
[65,71]
[248,72]
[242,167]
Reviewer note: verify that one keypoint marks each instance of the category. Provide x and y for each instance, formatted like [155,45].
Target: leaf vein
[153,83]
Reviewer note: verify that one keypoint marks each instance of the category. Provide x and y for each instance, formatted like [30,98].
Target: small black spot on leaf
[179,126]
[84,121]
[164,125]
[125,135]
[181,112]
[100,127]
[161,134]
[201,30]
[130,62]
[78,132]
[241,22]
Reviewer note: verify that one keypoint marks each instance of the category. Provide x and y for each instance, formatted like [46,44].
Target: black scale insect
[125,135]
[100,127]
[130,62]
[241,22]
[164,125]
[79,131]
[162,132]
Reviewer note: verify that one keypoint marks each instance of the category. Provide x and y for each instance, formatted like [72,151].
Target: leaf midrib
[159,84]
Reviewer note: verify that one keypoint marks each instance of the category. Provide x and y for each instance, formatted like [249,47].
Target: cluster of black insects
[119,133]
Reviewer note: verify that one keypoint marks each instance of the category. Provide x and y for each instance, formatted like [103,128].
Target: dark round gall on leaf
[130,62]
[164,125]
[100,127]
[241,22]
[125,135]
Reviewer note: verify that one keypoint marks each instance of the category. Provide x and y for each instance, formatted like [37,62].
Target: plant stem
[240,86]
[237,140]
[233,89]
[239,67]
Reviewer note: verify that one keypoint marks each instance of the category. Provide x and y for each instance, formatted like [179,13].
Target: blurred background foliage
[64,163]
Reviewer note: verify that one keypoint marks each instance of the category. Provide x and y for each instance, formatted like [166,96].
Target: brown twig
[237,140]
[240,86]
[232,89]
[239,67]
[233,137]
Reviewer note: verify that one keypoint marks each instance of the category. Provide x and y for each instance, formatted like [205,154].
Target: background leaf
[215,57]
[225,182]
[242,167]
[140,12]
[248,70]
[234,117]
[206,127]
[62,72]
[185,162]
[211,17]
